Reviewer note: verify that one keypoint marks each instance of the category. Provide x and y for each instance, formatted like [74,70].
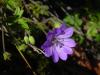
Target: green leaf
[13,4]
[73,20]
[23,23]
[31,40]
[18,12]
[78,21]
[21,47]
[26,39]
[38,9]
[6,55]
[92,30]
[69,20]
[97,38]
[81,39]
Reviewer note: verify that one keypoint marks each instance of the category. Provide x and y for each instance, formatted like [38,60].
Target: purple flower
[58,43]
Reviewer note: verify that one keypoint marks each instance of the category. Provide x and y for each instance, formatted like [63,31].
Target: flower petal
[67,33]
[60,30]
[50,35]
[68,50]
[57,31]
[48,51]
[55,56]
[46,44]
[61,53]
[63,26]
[68,42]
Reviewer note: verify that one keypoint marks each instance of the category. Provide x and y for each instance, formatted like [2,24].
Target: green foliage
[26,39]
[23,23]
[21,47]
[31,40]
[73,20]
[38,9]
[18,12]
[97,38]
[6,55]
[91,27]
[19,23]
[13,4]
[91,30]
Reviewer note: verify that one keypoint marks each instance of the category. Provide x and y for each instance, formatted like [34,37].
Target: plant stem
[2,29]
[26,62]
[36,49]
[3,41]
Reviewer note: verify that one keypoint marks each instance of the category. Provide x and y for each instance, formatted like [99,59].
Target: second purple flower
[58,43]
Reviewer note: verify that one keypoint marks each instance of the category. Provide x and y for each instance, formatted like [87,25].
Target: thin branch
[36,49]
[55,17]
[3,41]
[26,62]
[2,28]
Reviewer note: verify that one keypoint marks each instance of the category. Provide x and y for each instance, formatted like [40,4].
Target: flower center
[57,42]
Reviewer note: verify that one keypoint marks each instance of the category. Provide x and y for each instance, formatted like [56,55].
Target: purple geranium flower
[58,43]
